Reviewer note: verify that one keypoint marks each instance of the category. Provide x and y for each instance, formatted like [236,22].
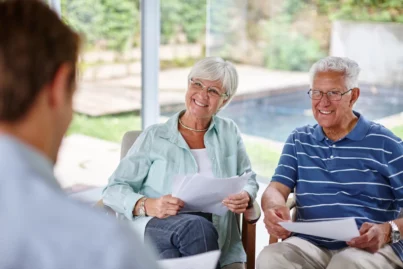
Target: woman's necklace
[191,129]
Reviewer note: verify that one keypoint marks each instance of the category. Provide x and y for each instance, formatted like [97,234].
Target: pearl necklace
[191,129]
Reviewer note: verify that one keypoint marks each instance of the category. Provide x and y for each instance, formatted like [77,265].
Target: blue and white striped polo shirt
[360,176]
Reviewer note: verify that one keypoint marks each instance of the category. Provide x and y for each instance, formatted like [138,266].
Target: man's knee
[345,260]
[273,256]
[354,258]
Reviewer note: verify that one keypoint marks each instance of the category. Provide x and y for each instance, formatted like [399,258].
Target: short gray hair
[347,66]
[217,69]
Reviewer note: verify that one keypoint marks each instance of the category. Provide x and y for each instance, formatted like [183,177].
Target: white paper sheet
[206,260]
[204,194]
[344,229]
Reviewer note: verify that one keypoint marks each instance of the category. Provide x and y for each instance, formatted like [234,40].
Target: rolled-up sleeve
[122,191]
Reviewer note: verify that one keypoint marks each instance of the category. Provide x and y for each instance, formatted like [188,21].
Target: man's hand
[237,203]
[164,206]
[275,215]
[372,237]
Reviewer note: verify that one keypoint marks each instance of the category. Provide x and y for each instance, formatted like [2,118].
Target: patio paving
[112,96]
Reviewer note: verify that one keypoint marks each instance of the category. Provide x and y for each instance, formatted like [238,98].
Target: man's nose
[325,100]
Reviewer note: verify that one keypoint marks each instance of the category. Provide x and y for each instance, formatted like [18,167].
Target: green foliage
[363,10]
[106,23]
[179,16]
[287,48]
[290,50]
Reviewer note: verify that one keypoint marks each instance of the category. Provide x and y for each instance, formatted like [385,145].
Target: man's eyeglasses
[331,95]
[211,91]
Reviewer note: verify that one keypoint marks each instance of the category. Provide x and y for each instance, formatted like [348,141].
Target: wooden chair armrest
[250,217]
[252,214]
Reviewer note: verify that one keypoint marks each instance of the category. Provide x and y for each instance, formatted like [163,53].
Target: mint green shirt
[160,153]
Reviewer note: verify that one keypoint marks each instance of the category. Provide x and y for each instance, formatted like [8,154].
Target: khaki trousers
[297,253]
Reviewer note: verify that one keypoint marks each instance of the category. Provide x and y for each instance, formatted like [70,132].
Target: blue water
[275,117]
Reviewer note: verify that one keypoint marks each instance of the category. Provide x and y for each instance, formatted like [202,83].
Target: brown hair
[34,43]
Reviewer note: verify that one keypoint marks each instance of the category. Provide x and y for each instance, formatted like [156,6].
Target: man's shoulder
[303,133]
[45,214]
[379,132]
[47,210]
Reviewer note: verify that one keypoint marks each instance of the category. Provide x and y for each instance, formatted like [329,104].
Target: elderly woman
[192,141]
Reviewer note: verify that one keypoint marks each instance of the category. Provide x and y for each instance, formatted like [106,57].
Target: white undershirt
[203,161]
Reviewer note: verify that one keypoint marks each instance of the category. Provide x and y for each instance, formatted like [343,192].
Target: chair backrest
[128,141]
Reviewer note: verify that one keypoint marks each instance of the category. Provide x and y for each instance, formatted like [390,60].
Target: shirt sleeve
[122,192]
[286,172]
[395,168]
[244,166]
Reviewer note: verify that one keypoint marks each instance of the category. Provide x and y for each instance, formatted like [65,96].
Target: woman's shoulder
[223,122]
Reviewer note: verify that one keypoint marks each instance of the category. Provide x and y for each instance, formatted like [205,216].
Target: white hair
[217,69]
[348,67]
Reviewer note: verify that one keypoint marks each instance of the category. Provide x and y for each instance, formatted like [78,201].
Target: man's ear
[354,96]
[59,88]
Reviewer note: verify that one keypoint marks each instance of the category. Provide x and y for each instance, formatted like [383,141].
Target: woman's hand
[237,203]
[163,207]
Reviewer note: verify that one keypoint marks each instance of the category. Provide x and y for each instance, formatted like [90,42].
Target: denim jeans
[182,235]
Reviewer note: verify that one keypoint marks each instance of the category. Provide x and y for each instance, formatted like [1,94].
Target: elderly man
[41,228]
[344,166]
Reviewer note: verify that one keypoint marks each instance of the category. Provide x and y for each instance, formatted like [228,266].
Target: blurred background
[273,44]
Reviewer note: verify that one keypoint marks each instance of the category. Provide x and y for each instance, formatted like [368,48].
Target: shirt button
[334,146]
[331,157]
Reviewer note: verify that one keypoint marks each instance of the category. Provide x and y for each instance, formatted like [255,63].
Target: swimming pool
[275,117]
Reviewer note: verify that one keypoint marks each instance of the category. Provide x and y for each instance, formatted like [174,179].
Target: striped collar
[358,133]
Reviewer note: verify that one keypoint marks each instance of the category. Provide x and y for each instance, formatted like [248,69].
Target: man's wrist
[387,231]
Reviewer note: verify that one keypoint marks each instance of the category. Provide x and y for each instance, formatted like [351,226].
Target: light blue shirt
[41,228]
[161,153]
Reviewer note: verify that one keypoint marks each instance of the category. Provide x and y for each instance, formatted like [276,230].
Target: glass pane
[108,98]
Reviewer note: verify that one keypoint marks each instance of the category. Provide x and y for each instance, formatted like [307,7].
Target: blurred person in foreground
[345,166]
[41,228]
[194,140]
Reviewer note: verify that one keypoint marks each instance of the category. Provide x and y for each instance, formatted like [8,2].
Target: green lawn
[263,158]
[398,131]
[111,128]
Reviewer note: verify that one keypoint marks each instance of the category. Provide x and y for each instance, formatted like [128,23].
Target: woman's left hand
[237,203]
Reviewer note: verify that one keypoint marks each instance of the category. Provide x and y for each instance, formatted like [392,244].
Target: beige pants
[296,253]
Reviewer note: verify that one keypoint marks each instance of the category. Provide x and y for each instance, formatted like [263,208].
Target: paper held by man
[205,194]
[342,229]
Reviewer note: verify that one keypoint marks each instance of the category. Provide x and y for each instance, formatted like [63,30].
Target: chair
[246,224]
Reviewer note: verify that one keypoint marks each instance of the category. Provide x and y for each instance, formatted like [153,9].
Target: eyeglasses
[211,91]
[331,95]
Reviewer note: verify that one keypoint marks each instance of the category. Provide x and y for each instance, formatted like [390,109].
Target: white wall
[377,47]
